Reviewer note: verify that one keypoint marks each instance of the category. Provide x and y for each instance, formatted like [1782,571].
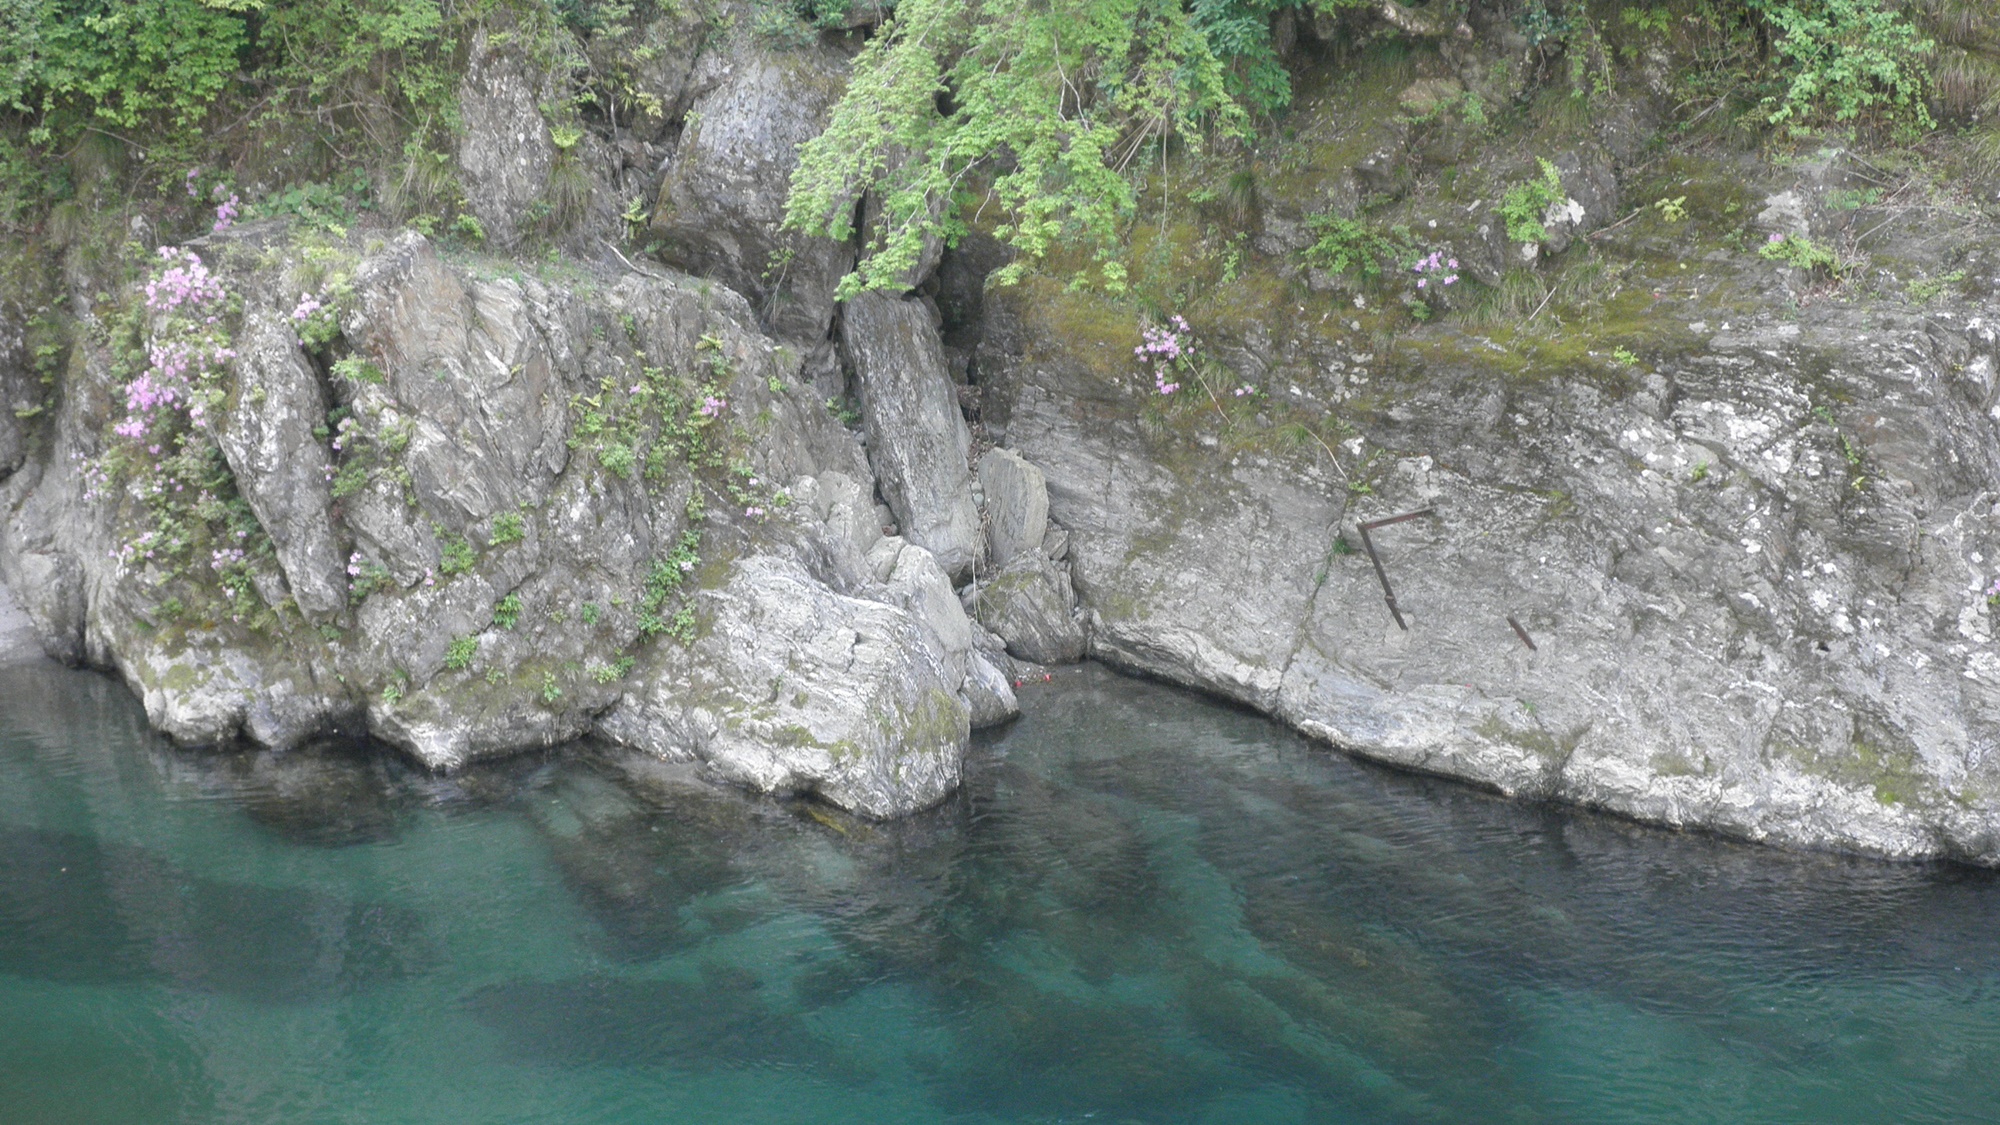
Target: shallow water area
[1142,907]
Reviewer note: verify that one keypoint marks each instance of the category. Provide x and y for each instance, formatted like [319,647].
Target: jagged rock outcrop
[1028,604]
[917,438]
[723,196]
[503,513]
[505,150]
[1753,609]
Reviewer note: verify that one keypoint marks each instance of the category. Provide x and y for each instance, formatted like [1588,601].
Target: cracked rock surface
[1754,610]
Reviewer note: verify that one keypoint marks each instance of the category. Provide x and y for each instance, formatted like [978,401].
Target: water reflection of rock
[337,792]
[82,910]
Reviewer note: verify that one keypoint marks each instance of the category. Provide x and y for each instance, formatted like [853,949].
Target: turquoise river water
[1142,907]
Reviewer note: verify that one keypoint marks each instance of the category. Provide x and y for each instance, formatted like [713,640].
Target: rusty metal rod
[1521,633]
[1382,576]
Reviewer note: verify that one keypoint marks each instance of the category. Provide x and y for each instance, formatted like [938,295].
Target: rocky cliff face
[1734,579]
[509,513]
[1746,601]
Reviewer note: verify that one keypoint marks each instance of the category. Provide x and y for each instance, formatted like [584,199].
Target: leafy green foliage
[456,557]
[121,63]
[507,528]
[663,583]
[1525,203]
[1925,290]
[507,613]
[458,655]
[608,673]
[1349,245]
[1854,61]
[355,369]
[1802,253]
[1060,102]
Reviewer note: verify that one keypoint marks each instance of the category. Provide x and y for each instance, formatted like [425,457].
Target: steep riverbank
[1704,438]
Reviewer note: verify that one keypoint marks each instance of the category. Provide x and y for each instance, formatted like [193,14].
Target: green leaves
[116,61]
[1526,202]
[1060,102]
[1854,61]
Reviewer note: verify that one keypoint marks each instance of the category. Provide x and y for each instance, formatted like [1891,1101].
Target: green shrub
[458,655]
[507,614]
[1524,204]
[1348,245]
[354,369]
[1853,61]
[456,557]
[507,528]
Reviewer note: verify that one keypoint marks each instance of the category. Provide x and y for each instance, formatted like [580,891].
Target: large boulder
[1017,504]
[918,442]
[281,468]
[797,689]
[722,201]
[1030,606]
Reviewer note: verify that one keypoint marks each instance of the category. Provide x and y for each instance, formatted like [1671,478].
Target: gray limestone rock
[1737,625]
[917,439]
[797,689]
[17,633]
[723,198]
[19,399]
[917,585]
[662,71]
[555,505]
[1017,504]
[280,467]
[505,150]
[988,695]
[883,555]
[1590,200]
[1030,606]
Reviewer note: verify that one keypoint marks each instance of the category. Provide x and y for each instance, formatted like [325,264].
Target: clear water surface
[1143,907]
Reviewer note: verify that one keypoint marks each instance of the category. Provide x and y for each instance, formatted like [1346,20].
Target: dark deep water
[1143,908]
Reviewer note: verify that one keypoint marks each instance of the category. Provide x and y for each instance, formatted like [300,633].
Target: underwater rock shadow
[79,910]
[340,792]
[720,1022]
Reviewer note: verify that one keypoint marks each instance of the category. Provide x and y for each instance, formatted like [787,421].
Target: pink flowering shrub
[315,320]
[1435,267]
[1162,352]
[163,465]
[1169,355]
[226,215]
